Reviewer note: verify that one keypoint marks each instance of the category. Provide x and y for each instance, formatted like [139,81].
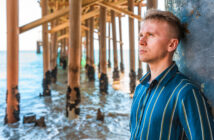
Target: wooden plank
[119,10]
[66,24]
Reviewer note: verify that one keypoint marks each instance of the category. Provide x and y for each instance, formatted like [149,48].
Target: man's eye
[150,34]
[140,35]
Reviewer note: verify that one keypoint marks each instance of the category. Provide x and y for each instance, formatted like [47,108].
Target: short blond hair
[166,16]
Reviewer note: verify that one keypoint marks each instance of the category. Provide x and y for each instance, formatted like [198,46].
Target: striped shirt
[170,108]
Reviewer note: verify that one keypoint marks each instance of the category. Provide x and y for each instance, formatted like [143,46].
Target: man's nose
[142,41]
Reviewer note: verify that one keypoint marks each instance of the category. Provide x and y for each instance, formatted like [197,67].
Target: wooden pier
[71,21]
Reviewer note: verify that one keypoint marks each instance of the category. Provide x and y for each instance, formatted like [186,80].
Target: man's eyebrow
[153,32]
[149,32]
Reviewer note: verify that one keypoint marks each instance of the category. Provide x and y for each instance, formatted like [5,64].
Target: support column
[116,76]
[38,47]
[99,49]
[103,65]
[109,45]
[132,73]
[151,4]
[63,56]
[13,96]
[121,46]
[54,54]
[91,70]
[62,49]
[73,91]
[81,50]
[87,45]
[140,70]
[46,53]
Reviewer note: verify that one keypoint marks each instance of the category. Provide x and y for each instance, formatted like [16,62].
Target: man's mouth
[142,51]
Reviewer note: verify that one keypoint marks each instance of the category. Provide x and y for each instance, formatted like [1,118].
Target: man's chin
[144,60]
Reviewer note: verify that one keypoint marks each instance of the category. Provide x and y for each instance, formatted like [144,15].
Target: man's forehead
[151,23]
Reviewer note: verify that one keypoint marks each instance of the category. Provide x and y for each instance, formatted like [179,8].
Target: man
[166,105]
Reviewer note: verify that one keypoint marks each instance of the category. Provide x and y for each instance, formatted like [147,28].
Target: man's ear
[173,44]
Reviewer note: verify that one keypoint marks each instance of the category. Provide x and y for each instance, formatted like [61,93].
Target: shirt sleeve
[195,116]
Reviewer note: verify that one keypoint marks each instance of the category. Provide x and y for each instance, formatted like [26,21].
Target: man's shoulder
[185,83]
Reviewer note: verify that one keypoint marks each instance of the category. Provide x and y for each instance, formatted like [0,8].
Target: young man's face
[154,41]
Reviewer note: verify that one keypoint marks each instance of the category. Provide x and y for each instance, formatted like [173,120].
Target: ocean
[115,105]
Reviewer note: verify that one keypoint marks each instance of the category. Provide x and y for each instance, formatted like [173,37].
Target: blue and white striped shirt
[170,108]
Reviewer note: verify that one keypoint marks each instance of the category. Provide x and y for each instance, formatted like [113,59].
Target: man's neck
[157,68]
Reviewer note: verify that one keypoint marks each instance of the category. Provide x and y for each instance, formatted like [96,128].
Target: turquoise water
[115,105]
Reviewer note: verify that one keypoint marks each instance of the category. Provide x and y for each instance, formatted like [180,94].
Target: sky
[29,10]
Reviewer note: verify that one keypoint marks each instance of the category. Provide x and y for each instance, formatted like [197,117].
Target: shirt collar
[163,78]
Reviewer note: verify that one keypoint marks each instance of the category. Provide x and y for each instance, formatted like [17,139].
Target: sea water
[115,105]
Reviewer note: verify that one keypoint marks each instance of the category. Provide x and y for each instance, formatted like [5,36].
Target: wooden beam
[120,2]
[90,14]
[102,29]
[120,10]
[46,52]
[132,48]
[152,4]
[66,24]
[12,96]
[141,4]
[73,92]
[121,46]
[62,37]
[103,66]
[53,53]
[109,44]
[91,48]
[140,70]
[44,19]
[50,17]
[59,27]
[88,3]
[85,28]
[116,76]
[66,35]
[87,43]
